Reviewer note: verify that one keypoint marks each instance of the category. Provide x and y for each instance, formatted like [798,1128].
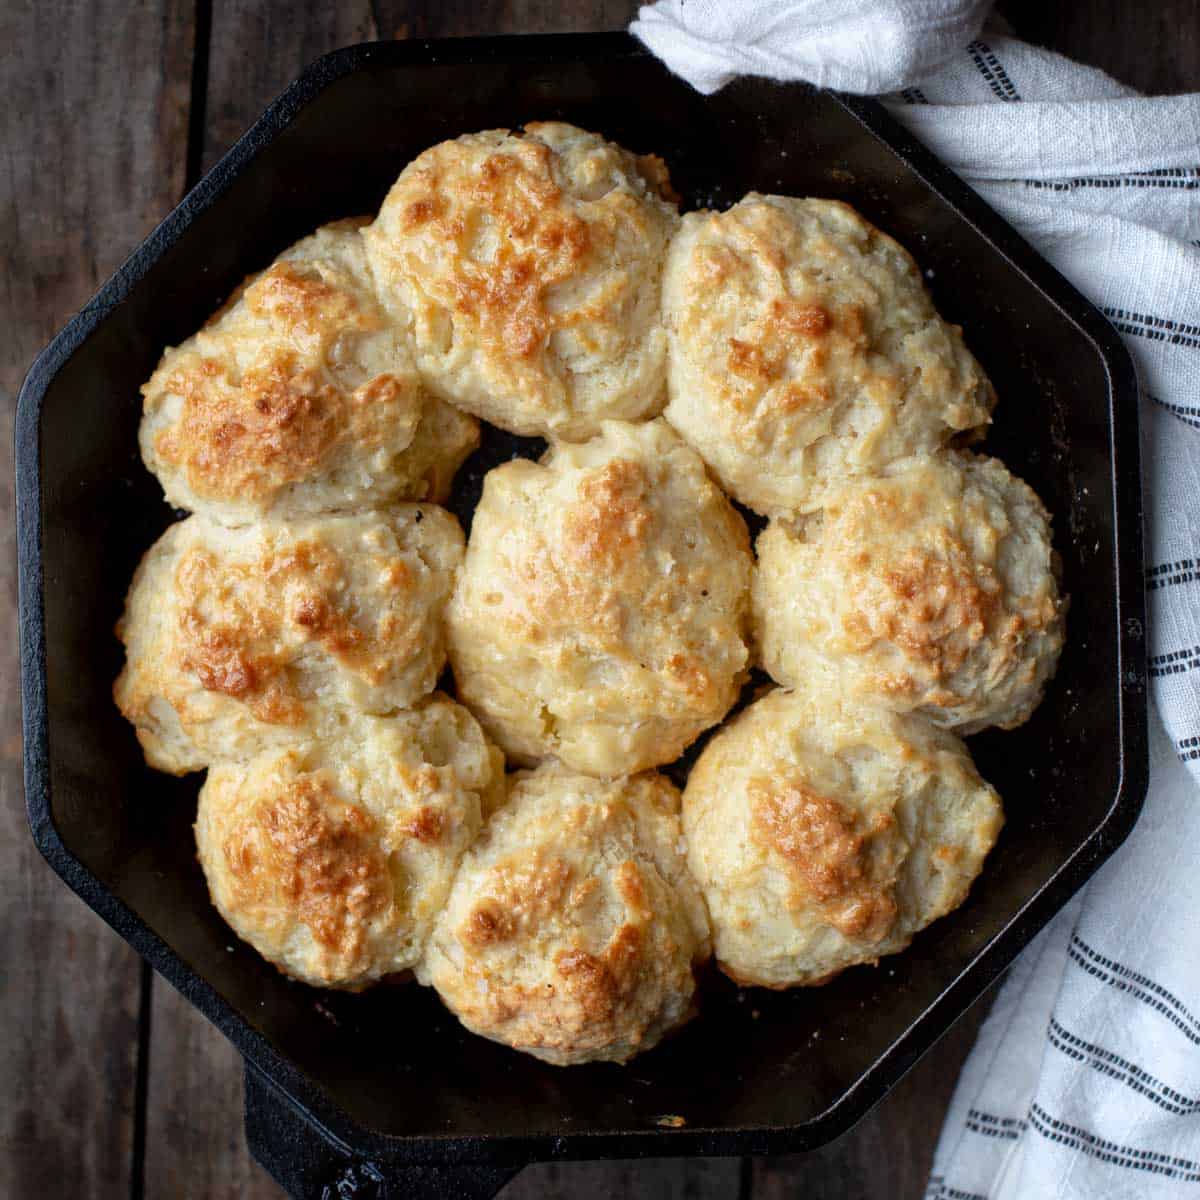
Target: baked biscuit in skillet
[530,267]
[239,639]
[333,858]
[933,588]
[300,396]
[601,612]
[805,348]
[573,926]
[825,833]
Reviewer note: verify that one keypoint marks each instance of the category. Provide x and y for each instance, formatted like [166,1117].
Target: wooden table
[112,1085]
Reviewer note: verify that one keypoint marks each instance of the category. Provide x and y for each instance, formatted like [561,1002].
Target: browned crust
[611,517]
[543,244]
[826,853]
[601,984]
[426,825]
[519,897]
[306,849]
[247,434]
[232,615]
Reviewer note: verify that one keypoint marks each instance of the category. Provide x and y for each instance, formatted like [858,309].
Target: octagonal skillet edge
[282,1103]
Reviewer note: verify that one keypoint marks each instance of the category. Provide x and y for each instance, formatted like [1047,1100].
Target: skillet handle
[310,1166]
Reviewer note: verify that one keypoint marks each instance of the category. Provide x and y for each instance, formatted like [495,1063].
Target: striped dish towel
[1085,1080]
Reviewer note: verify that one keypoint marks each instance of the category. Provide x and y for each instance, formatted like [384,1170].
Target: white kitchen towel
[1085,1081]
[846,44]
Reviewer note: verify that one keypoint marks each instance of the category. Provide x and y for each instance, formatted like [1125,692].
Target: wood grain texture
[257,47]
[1154,47]
[195,1147]
[82,184]
[464,18]
[637,1179]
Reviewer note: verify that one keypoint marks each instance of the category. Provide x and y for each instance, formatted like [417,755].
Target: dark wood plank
[82,185]
[195,1147]
[257,47]
[464,18]
[639,1179]
[1152,47]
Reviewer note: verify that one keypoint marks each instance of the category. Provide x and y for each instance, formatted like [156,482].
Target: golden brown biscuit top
[934,586]
[934,595]
[529,266]
[300,362]
[538,244]
[234,615]
[624,545]
[805,348]
[543,897]
[573,924]
[923,556]
[276,423]
[334,855]
[311,307]
[934,598]
[512,286]
[555,897]
[825,831]
[760,356]
[591,559]
[756,241]
[611,518]
[359,590]
[829,851]
[518,898]
[303,847]
[819,310]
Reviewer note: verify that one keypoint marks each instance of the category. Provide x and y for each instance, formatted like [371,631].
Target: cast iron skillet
[384,1091]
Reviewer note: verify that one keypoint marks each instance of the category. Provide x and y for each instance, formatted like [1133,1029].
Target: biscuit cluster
[607,609]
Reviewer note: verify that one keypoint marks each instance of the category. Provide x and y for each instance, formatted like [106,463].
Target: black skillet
[383,1094]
